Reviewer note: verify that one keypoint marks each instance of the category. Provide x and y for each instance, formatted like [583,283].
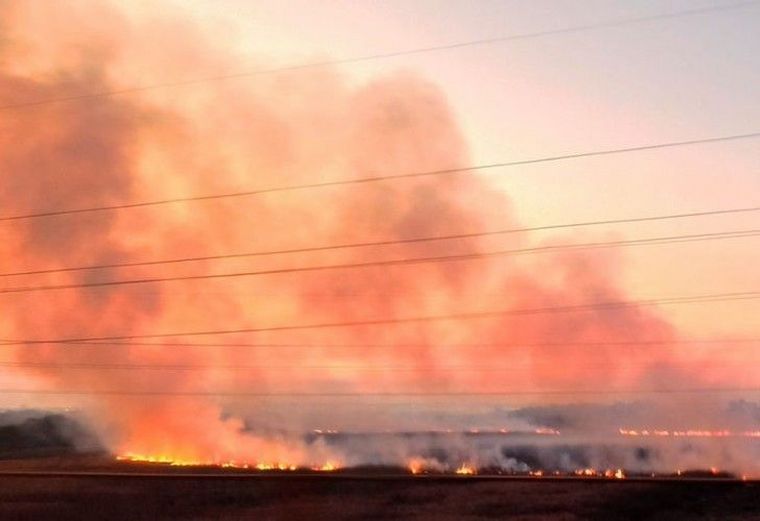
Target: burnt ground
[314,498]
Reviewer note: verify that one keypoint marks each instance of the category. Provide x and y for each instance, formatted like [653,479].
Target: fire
[180,462]
[234,465]
[327,467]
[162,460]
[415,467]
[691,433]
[546,431]
[275,466]
[594,473]
[465,470]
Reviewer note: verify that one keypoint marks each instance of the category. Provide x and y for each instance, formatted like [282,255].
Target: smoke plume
[272,130]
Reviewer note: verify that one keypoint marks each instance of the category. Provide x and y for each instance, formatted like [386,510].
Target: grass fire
[361,260]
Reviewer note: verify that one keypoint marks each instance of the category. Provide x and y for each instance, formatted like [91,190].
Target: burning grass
[171,461]
[423,468]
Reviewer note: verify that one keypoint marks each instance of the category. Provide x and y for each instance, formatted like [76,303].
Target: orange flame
[162,459]
[691,433]
[329,466]
[415,467]
[594,473]
[275,466]
[465,470]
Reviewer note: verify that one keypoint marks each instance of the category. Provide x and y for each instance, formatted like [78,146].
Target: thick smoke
[267,131]
[30,433]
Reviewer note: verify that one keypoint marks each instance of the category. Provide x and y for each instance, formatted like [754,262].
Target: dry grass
[314,499]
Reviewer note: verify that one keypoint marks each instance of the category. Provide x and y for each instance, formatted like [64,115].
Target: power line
[611,305]
[373,179]
[623,343]
[380,56]
[262,394]
[512,367]
[394,262]
[387,242]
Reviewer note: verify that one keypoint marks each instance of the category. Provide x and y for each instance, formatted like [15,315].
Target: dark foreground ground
[318,498]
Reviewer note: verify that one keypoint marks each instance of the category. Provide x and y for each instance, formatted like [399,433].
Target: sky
[660,81]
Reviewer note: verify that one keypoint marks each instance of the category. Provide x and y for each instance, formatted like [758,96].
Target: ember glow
[179,462]
[465,470]
[275,466]
[691,433]
[415,467]
[330,466]
[545,431]
[423,467]
[163,460]
[594,473]
[262,466]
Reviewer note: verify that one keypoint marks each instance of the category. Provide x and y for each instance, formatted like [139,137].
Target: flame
[415,466]
[465,470]
[329,466]
[162,459]
[691,433]
[546,431]
[275,466]
[234,465]
[594,473]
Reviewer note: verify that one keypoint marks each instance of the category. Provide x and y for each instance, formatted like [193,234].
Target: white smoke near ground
[722,436]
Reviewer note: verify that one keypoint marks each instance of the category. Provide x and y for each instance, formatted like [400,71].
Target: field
[122,497]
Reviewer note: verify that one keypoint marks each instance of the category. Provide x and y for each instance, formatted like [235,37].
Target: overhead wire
[264,394]
[378,178]
[388,242]
[379,56]
[592,306]
[391,262]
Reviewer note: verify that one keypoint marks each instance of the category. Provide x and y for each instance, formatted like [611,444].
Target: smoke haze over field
[274,130]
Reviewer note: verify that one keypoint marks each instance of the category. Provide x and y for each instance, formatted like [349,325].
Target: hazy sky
[665,80]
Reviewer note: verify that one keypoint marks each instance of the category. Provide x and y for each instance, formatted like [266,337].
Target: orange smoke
[267,131]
